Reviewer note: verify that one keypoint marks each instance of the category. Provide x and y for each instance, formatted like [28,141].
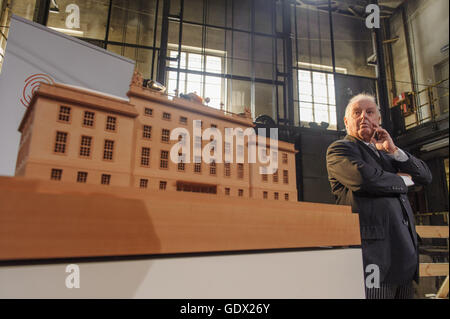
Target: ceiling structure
[355,8]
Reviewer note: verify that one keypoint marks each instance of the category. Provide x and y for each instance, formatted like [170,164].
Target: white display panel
[327,273]
[36,53]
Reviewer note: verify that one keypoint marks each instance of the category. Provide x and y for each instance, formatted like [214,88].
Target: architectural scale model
[73,134]
[95,177]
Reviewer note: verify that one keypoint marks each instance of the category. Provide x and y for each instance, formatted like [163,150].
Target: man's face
[362,119]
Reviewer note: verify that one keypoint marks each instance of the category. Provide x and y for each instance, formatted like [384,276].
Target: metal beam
[381,79]
[287,39]
[161,78]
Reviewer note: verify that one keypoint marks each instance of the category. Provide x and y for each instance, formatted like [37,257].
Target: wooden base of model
[48,219]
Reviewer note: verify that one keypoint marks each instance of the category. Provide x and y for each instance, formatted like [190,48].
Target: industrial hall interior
[291,65]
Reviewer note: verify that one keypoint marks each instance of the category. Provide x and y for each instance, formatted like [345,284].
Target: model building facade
[76,135]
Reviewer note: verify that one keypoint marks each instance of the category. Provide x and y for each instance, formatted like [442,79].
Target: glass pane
[172,84]
[353,45]
[213,90]
[23,8]
[215,41]
[305,88]
[319,78]
[263,56]
[331,95]
[216,12]
[313,39]
[143,57]
[304,76]
[193,11]
[306,112]
[333,121]
[239,96]
[321,113]
[213,64]
[192,34]
[263,16]
[80,18]
[174,64]
[241,54]
[194,84]
[265,100]
[195,62]
[306,98]
[242,14]
[132,22]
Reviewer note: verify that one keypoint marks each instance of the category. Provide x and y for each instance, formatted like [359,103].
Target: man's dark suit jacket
[370,185]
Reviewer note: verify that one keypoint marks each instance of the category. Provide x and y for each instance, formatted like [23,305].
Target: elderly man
[367,171]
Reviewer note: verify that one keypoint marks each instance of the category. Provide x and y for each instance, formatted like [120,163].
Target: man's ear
[345,122]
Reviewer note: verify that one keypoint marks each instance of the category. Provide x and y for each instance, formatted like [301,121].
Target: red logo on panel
[32,84]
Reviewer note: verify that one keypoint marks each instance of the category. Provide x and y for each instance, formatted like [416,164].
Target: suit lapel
[367,149]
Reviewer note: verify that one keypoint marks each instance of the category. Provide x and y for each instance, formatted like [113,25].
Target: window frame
[331,108]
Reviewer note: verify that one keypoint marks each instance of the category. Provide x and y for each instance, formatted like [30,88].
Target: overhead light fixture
[435,145]
[372,60]
[69,31]
[322,67]
[54,7]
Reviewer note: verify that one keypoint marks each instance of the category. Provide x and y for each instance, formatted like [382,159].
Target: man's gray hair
[360,97]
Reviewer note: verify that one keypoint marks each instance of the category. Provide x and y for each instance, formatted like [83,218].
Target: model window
[165,135]
[145,156]
[106,179]
[143,183]
[275,177]
[285,158]
[60,143]
[198,165]
[265,195]
[64,114]
[227,169]
[162,185]
[147,132]
[164,159]
[166,116]
[111,123]
[56,174]
[275,195]
[285,177]
[183,120]
[181,165]
[82,177]
[212,168]
[240,170]
[240,192]
[227,191]
[85,147]
[88,119]
[286,196]
[148,111]
[108,150]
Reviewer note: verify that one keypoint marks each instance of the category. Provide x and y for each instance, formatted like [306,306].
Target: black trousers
[391,291]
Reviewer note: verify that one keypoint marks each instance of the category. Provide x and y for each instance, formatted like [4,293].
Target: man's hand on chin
[383,141]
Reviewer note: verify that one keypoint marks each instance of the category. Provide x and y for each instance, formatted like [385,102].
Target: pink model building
[77,135]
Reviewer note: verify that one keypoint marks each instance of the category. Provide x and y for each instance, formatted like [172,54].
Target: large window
[197,81]
[317,99]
